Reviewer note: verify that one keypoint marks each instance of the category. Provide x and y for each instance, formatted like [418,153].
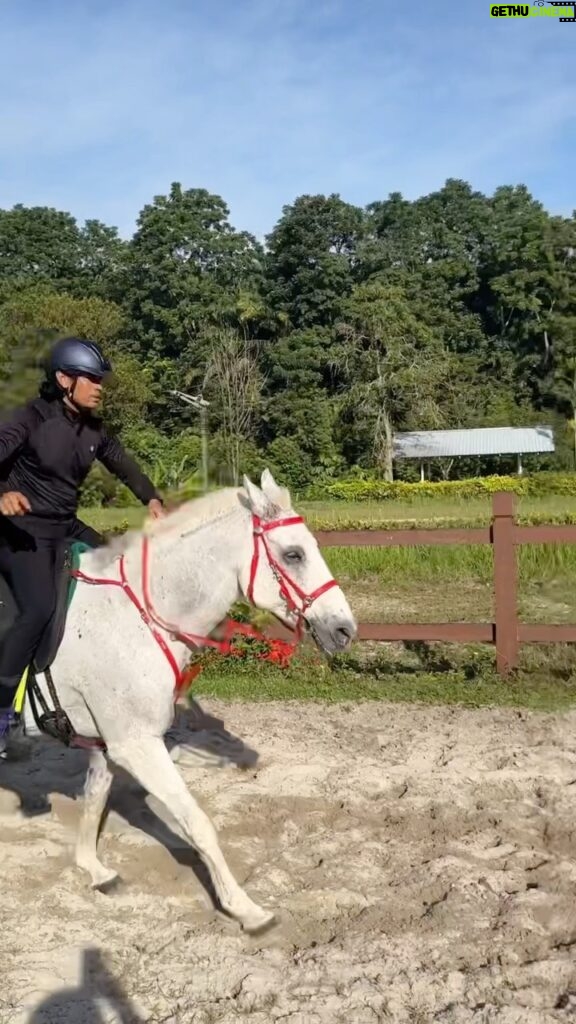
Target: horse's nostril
[344,635]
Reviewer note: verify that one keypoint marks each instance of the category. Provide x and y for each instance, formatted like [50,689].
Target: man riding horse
[46,450]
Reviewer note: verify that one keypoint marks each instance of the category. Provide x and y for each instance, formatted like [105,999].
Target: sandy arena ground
[422,862]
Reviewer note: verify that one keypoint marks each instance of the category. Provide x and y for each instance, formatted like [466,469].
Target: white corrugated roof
[430,444]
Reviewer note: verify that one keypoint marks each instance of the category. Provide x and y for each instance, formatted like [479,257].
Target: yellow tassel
[21,693]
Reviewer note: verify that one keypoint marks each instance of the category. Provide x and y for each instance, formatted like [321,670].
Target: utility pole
[199,403]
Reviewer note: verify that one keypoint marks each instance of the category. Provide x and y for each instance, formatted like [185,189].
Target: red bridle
[284,580]
[152,619]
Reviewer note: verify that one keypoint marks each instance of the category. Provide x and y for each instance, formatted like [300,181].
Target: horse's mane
[186,518]
[198,512]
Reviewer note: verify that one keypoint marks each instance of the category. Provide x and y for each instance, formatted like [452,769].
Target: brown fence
[505,535]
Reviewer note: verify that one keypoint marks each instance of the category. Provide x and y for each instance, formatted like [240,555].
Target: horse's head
[286,574]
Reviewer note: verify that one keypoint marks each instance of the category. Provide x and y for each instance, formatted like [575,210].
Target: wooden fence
[505,535]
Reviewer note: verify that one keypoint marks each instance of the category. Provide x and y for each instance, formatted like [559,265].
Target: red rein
[279,651]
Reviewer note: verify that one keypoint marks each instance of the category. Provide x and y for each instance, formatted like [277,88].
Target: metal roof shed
[437,444]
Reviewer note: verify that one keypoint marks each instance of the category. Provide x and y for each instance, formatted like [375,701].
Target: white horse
[116,681]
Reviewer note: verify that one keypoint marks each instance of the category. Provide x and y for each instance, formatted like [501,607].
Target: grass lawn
[113,518]
[419,584]
[427,512]
[430,674]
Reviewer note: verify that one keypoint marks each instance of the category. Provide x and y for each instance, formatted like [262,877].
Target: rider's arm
[13,434]
[116,459]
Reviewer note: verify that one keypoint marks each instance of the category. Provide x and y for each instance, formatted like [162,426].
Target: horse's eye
[293,555]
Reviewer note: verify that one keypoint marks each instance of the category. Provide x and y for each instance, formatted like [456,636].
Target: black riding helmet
[77,358]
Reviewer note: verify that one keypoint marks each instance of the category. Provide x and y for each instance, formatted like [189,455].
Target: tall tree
[310,259]
[517,280]
[43,246]
[189,269]
[38,245]
[102,264]
[234,381]
[398,372]
[556,319]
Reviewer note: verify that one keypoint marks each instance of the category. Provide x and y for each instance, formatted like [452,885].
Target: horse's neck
[193,577]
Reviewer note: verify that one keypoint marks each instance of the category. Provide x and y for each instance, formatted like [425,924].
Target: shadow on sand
[96,997]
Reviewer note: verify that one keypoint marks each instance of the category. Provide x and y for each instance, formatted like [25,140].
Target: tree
[44,247]
[102,266]
[188,270]
[556,323]
[299,401]
[397,370]
[129,393]
[233,378]
[517,279]
[457,309]
[30,323]
[31,320]
[309,273]
[38,246]
[310,259]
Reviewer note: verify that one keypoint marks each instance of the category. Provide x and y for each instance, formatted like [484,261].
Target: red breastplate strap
[182,678]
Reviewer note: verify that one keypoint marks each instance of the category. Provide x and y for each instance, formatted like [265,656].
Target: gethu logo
[553,9]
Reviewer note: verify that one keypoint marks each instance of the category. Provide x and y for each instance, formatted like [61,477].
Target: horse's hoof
[109,886]
[260,924]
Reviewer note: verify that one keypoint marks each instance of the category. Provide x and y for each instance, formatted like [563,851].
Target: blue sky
[103,103]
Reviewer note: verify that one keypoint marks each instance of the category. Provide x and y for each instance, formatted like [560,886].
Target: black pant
[79,531]
[30,566]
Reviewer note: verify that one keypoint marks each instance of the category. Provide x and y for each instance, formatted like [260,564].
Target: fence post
[505,582]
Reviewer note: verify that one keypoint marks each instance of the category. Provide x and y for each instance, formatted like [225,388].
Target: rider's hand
[14,504]
[156,509]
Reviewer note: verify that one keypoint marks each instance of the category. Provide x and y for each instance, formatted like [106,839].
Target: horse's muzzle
[333,635]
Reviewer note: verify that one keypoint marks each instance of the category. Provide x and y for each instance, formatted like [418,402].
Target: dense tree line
[454,310]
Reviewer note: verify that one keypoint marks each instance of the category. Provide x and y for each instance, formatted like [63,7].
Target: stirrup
[58,726]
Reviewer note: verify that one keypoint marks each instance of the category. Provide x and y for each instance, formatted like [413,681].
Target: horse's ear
[273,492]
[256,500]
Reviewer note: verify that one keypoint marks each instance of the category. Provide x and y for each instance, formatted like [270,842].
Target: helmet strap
[68,393]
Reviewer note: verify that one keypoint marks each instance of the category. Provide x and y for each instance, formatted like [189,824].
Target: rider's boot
[9,720]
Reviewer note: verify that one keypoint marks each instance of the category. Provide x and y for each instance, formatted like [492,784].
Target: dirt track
[422,861]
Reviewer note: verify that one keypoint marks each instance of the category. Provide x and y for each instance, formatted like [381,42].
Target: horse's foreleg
[149,762]
[96,790]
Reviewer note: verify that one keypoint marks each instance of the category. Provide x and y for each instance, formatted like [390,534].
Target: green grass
[432,512]
[437,564]
[384,514]
[113,518]
[469,680]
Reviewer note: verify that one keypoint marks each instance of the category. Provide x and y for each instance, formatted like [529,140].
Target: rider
[46,450]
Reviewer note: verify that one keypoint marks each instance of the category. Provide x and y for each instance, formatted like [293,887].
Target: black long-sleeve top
[46,451]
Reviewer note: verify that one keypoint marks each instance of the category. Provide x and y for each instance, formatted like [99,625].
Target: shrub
[370,489]
[169,461]
[101,488]
[288,462]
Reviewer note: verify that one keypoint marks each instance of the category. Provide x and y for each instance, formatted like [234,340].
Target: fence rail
[504,535]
